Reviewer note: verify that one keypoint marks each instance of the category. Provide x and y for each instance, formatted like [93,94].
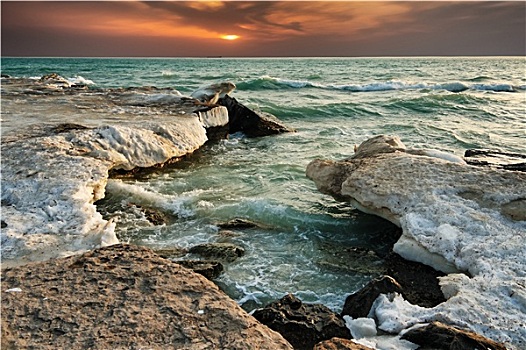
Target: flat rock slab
[122,297]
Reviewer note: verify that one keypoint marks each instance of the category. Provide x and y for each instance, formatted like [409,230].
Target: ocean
[304,238]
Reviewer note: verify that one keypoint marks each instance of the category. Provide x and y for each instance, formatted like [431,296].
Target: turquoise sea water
[449,104]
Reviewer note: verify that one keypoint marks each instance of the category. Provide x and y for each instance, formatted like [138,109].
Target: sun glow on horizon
[230,37]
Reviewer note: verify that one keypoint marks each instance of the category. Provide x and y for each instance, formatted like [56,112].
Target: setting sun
[230,37]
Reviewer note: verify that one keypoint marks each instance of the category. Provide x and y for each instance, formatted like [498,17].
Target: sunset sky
[262,28]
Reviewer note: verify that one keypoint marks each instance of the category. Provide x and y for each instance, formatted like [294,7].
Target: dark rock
[251,123]
[5,75]
[438,336]
[4,224]
[238,224]
[209,269]
[221,251]
[340,344]
[65,127]
[496,159]
[359,304]
[419,282]
[303,325]
[122,297]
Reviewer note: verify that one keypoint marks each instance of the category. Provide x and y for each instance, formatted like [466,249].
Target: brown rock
[438,336]
[359,304]
[303,325]
[340,344]
[123,297]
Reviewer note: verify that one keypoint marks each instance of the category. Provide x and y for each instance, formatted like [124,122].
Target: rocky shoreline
[128,297]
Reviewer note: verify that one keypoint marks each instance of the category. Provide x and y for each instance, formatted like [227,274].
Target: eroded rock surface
[122,297]
[454,217]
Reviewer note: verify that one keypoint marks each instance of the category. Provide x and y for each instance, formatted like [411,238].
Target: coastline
[71,145]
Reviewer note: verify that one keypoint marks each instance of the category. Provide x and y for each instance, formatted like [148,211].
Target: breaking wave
[272,83]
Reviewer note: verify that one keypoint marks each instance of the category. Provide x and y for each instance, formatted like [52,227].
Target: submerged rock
[221,251]
[303,325]
[454,217]
[249,122]
[438,336]
[123,297]
[238,223]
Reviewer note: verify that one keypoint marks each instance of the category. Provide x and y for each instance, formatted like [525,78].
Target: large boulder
[303,325]
[122,297]
[250,122]
[466,221]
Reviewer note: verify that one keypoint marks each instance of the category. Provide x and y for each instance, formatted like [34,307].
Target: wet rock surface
[222,251]
[303,325]
[122,297]
[438,336]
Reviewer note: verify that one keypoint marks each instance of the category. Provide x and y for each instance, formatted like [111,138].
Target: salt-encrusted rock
[52,174]
[222,251]
[303,325]
[123,297]
[438,336]
[454,217]
[249,122]
[359,304]
[340,344]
